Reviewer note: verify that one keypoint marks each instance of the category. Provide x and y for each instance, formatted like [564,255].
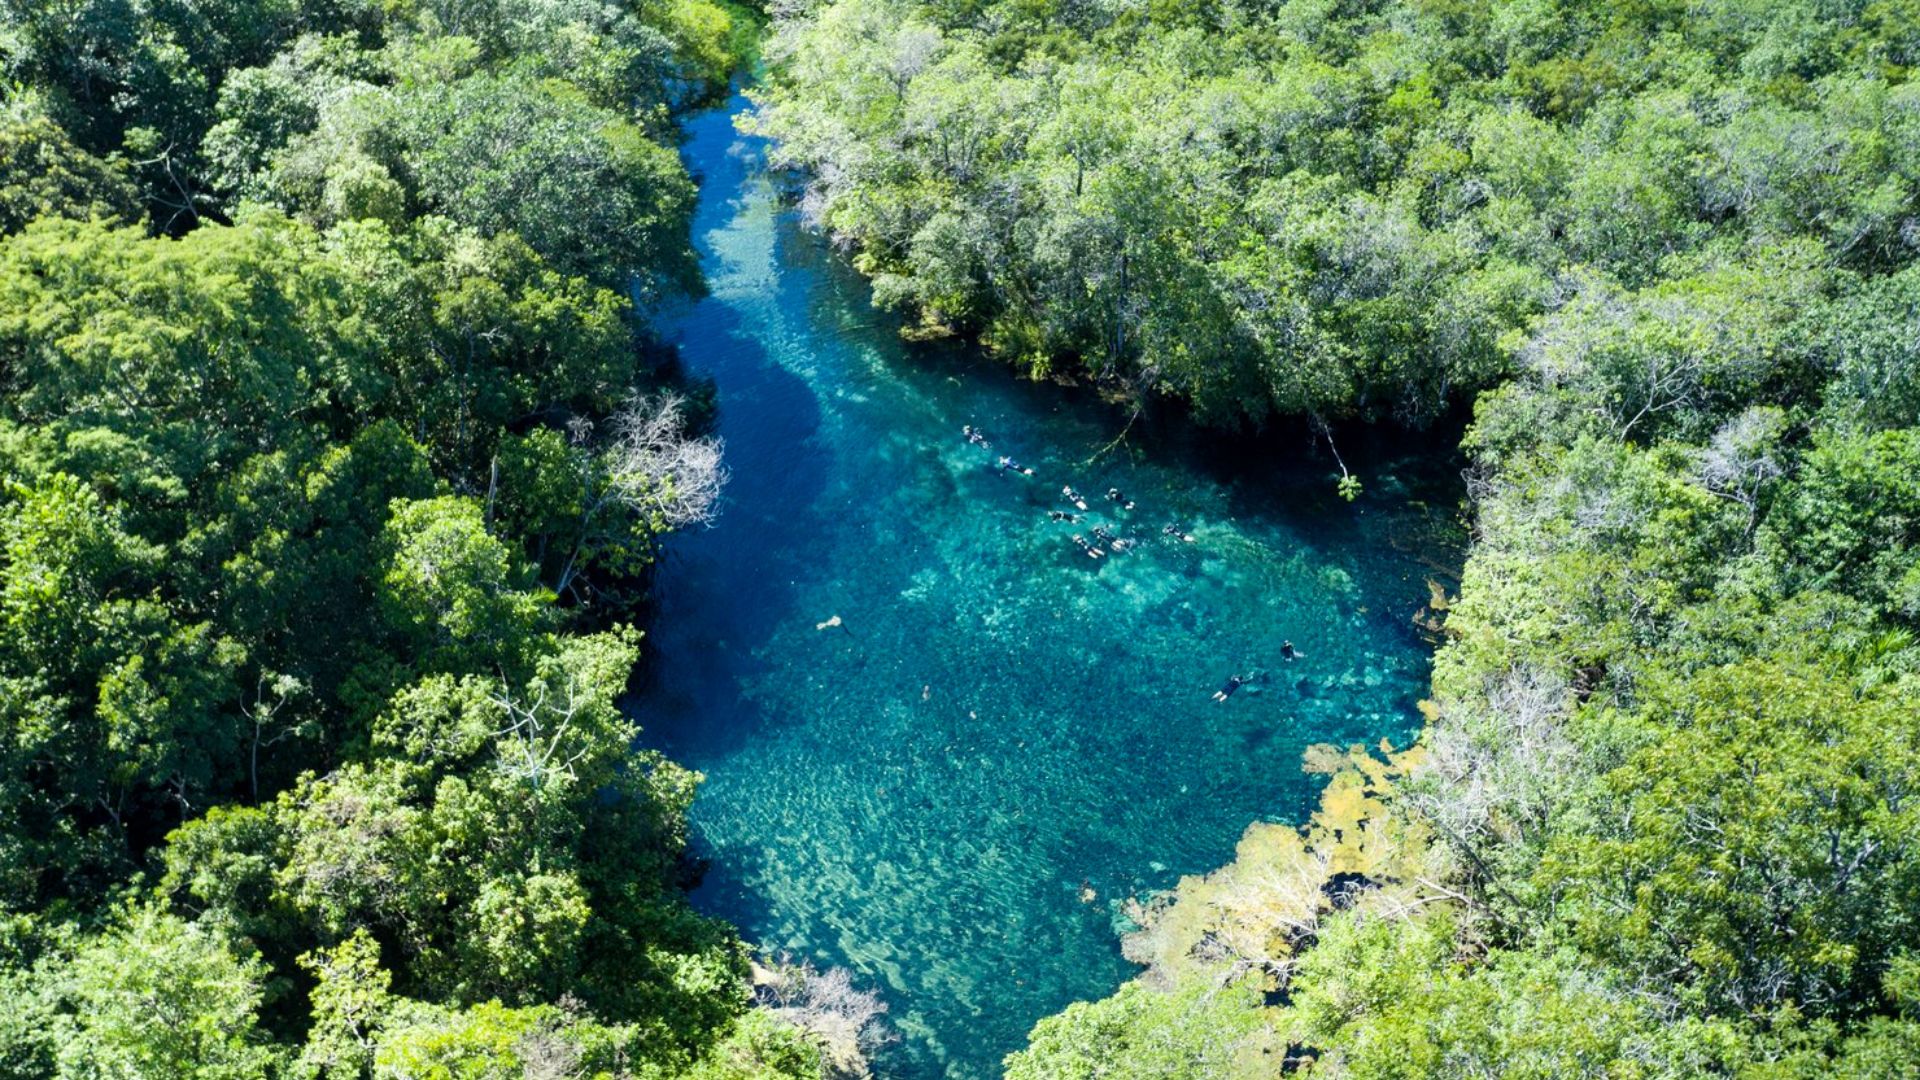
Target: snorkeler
[1173,529]
[1063,515]
[1072,496]
[1288,652]
[976,436]
[1092,551]
[1113,495]
[1008,463]
[1105,536]
[1233,683]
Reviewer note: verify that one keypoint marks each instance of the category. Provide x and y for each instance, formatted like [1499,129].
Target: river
[997,723]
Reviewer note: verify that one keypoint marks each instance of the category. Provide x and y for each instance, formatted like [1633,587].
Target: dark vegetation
[329,474]
[1662,822]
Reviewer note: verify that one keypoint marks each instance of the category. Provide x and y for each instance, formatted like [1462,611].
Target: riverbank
[924,789]
[1662,774]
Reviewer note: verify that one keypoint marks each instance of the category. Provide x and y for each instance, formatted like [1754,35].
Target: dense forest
[1662,819]
[333,454]
[335,451]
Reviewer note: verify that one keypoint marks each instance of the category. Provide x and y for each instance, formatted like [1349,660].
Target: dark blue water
[921,792]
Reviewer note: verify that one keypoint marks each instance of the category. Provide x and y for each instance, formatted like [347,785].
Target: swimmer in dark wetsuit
[1113,495]
[1092,551]
[976,436]
[1288,652]
[1008,463]
[1102,534]
[1173,529]
[1072,496]
[1062,515]
[1234,683]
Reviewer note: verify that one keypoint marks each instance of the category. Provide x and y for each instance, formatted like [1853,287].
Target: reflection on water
[921,791]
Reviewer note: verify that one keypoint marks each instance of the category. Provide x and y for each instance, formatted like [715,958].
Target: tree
[582,186]
[44,174]
[159,997]
[842,1021]
[450,583]
[271,641]
[1196,1030]
[593,506]
[1870,336]
[1761,850]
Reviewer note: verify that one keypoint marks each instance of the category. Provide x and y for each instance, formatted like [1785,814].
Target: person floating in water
[1173,529]
[1008,463]
[1072,496]
[1063,515]
[976,436]
[1288,652]
[1092,551]
[1113,495]
[1233,684]
[1105,536]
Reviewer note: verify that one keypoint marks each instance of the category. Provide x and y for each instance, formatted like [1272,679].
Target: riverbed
[941,743]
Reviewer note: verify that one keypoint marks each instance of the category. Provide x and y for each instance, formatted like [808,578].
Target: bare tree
[650,468]
[1499,767]
[265,715]
[1739,462]
[535,742]
[546,1053]
[1265,907]
[843,1019]
[657,469]
[912,49]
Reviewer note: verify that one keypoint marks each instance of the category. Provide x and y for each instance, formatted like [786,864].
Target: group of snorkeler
[976,437]
[1103,539]
[1236,681]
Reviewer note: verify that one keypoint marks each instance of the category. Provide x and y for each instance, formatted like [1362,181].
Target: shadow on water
[703,639]
[921,792]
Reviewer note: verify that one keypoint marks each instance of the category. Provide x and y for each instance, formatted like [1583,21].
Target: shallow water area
[924,789]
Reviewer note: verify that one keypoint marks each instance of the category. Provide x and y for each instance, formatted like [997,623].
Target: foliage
[42,172]
[1660,821]
[1198,1030]
[157,997]
[1321,209]
[305,771]
[199,98]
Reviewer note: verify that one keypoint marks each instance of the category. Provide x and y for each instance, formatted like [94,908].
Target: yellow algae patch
[1432,618]
[1247,918]
[1352,829]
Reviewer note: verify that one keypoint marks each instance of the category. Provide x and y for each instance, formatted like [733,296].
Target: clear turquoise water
[921,793]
